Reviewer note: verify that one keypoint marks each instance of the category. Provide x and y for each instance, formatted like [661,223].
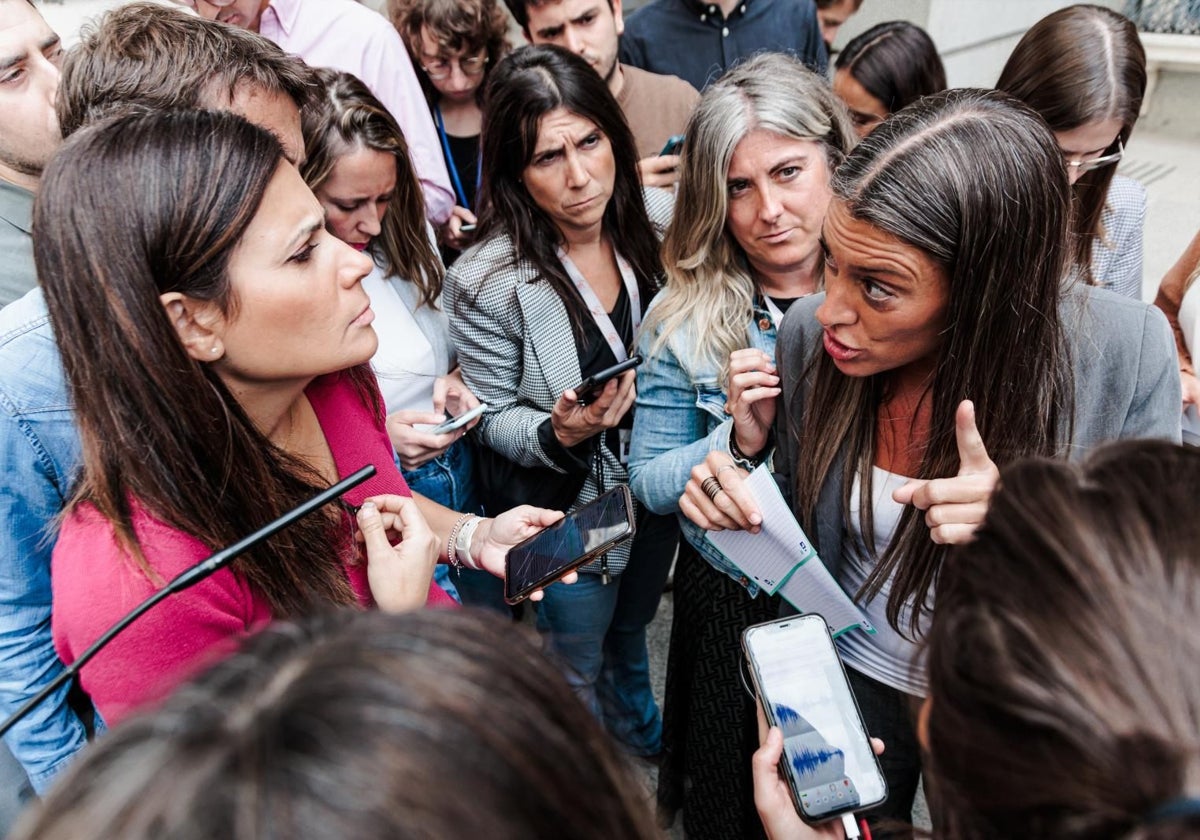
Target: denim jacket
[679,413]
[40,448]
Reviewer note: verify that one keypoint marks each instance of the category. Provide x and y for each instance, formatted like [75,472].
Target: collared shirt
[17,275]
[696,42]
[39,447]
[346,36]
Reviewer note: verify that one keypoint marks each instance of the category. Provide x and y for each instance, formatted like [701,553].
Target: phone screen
[830,766]
[568,543]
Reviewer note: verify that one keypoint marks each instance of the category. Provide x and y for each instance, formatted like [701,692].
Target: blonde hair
[706,269]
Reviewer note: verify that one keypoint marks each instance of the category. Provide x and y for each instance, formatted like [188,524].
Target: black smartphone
[577,538]
[673,145]
[590,388]
[827,761]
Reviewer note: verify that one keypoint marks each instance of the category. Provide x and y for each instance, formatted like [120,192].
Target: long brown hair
[1075,66]
[343,117]
[436,724]
[530,83]
[129,210]
[957,175]
[1064,697]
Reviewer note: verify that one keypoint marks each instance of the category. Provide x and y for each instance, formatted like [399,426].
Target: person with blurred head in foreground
[891,399]
[438,724]
[1060,653]
[217,362]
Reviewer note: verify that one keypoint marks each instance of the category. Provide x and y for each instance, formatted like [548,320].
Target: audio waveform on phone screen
[809,762]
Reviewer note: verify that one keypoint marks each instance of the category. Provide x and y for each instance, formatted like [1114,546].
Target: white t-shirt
[885,656]
[404,364]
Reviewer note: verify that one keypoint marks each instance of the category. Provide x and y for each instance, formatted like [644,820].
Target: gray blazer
[1126,386]
[518,354]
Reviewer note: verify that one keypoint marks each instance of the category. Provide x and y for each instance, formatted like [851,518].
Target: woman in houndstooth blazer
[554,291]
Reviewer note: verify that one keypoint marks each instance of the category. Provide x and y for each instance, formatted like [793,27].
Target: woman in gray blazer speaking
[947,341]
[554,291]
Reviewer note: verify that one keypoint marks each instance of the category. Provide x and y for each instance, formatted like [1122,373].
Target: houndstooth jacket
[518,354]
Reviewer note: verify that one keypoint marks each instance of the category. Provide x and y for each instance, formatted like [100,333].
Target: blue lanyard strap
[450,165]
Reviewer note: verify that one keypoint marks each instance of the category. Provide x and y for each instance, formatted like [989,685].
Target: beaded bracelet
[452,542]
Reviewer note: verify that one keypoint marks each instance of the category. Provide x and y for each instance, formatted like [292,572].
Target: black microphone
[191,577]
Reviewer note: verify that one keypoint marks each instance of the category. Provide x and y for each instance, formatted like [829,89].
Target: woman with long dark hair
[216,358]
[944,344]
[554,291]
[891,65]
[743,247]
[1083,69]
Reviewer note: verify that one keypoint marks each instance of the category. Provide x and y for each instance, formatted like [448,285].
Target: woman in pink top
[215,336]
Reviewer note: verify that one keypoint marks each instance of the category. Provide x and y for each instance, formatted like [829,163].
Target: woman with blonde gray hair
[744,243]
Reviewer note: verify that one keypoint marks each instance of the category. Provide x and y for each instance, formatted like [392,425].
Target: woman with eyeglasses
[1083,70]
[454,43]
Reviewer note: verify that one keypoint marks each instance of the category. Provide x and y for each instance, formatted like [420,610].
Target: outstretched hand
[495,537]
[955,507]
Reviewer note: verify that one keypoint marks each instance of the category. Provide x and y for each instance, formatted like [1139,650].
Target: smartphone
[673,145]
[455,423]
[590,388]
[467,228]
[577,538]
[828,762]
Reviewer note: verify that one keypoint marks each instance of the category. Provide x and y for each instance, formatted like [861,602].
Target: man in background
[656,106]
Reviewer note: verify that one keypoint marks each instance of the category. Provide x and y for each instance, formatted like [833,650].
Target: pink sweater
[95,583]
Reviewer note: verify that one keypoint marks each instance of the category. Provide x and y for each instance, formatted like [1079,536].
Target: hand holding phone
[828,761]
[573,541]
[673,145]
[453,424]
[590,388]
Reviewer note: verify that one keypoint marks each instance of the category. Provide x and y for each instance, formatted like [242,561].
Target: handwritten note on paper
[780,559]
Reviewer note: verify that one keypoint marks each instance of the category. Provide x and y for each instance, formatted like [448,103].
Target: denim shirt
[679,418]
[41,453]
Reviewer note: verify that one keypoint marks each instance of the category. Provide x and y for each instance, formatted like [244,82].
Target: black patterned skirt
[709,726]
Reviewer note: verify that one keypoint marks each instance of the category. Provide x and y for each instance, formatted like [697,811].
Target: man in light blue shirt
[228,69]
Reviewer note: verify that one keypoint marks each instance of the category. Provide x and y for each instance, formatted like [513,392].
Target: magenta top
[95,582]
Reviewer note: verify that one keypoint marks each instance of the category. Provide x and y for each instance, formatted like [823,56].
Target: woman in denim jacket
[760,149]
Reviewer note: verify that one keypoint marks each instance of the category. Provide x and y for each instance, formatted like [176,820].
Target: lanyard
[610,333]
[450,165]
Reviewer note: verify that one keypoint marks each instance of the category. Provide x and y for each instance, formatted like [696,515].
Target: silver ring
[711,487]
[726,467]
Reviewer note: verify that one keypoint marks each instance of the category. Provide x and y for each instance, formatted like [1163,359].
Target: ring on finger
[711,487]
[722,469]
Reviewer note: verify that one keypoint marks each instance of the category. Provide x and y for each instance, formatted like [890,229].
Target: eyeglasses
[1081,166]
[472,65]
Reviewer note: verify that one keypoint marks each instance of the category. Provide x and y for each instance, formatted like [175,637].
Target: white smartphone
[827,760]
[455,423]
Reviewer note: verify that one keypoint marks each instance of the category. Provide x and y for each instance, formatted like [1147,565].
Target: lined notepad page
[780,559]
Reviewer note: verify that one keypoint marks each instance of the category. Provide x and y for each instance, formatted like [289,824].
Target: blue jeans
[598,633]
[449,479]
